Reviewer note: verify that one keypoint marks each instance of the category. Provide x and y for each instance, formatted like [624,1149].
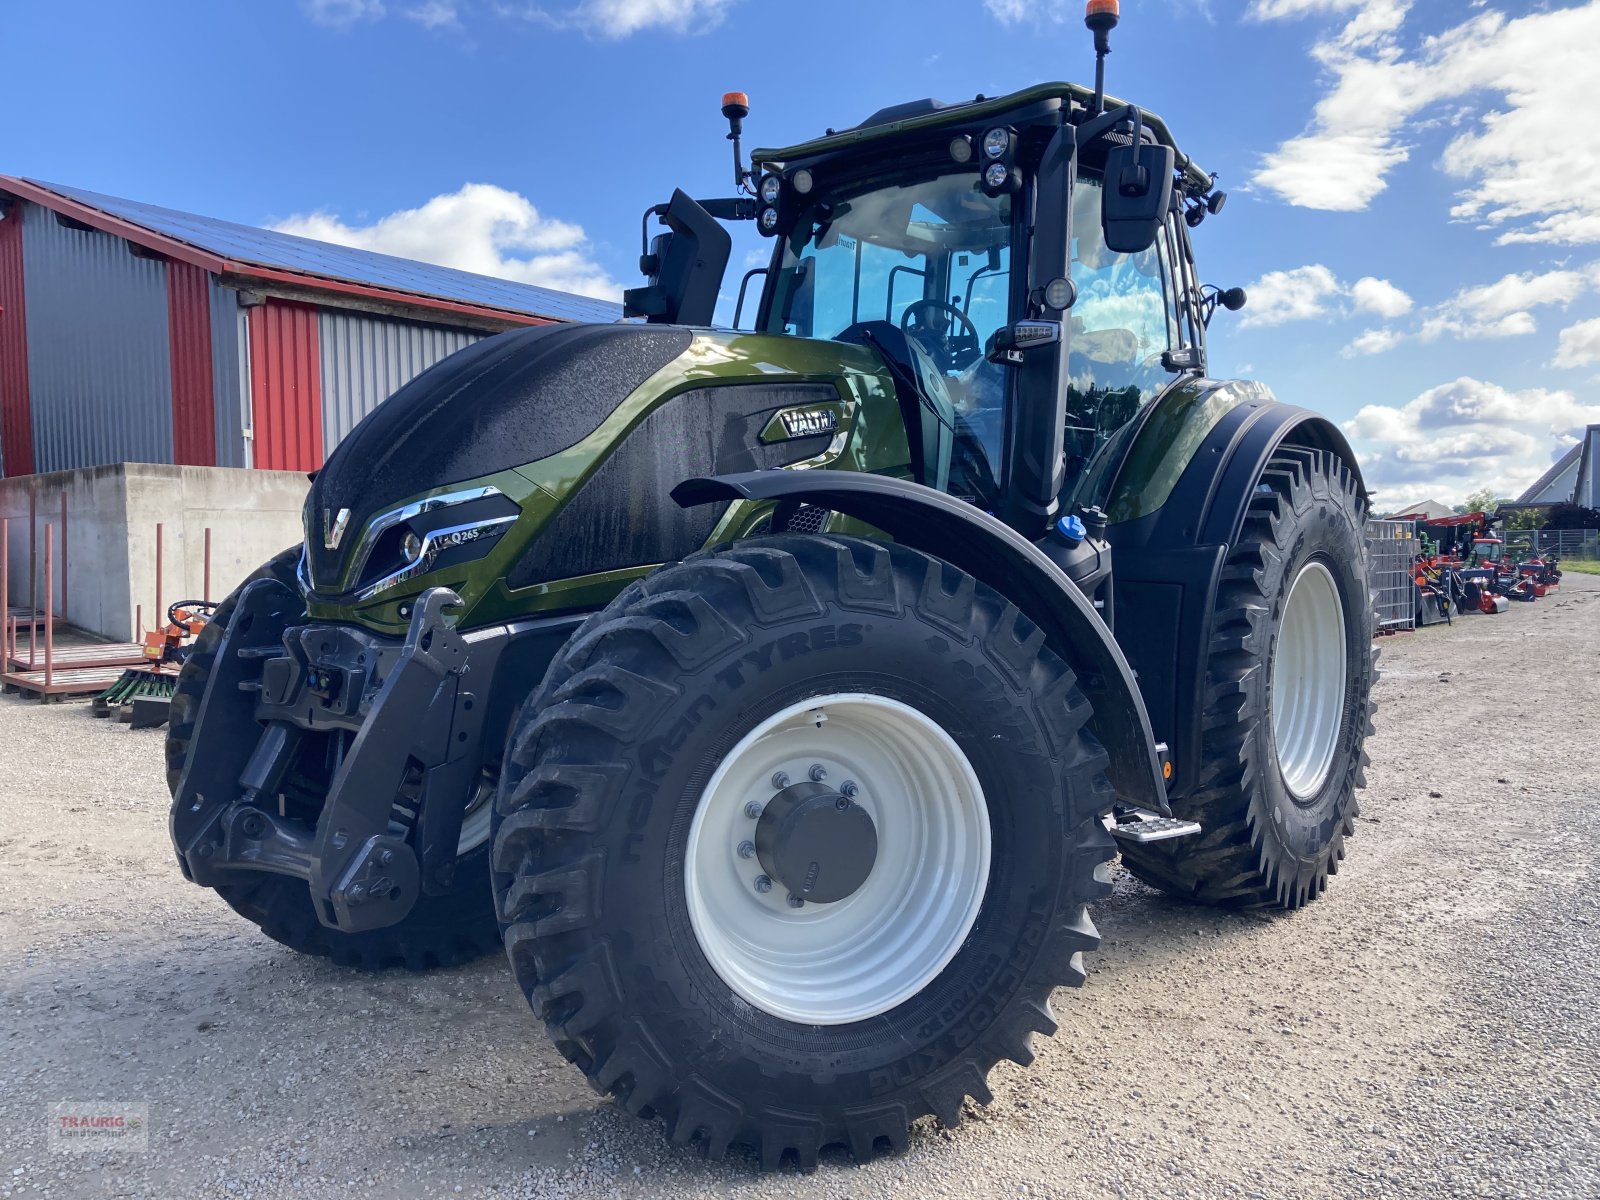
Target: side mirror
[685,267]
[1136,196]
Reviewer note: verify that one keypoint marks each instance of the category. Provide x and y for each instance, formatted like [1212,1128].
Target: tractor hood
[532,472]
[505,401]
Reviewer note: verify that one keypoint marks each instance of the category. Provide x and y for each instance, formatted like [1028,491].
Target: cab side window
[1123,320]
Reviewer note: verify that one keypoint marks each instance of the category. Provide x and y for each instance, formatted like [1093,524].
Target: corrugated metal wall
[16,432]
[230,374]
[365,359]
[194,419]
[285,387]
[99,358]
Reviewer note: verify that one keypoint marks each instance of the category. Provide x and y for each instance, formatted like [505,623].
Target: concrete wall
[112,513]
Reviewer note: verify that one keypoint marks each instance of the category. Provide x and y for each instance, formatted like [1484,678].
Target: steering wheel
[955,353]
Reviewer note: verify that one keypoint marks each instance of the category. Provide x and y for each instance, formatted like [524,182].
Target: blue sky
[1415,184]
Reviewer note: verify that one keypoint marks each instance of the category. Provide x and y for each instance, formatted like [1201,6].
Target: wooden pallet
[64,681]
[74,653]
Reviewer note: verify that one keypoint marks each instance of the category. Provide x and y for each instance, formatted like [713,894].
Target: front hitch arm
[362,876]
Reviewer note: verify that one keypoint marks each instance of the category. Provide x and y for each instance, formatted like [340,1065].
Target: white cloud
[597,18]
[1462,436]
[341,14]
[1379,296]
[1274,10]
[1315,291]
[436,14]
[1511,293]
[622,18]
[1501,309]
[1373,341]
[1579,345]
[1483,312]
[1296,295]
[481,228]
[1530,163]
[1009,12]
[1452,322]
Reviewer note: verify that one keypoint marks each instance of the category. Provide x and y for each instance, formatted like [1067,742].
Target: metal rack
[1393,545]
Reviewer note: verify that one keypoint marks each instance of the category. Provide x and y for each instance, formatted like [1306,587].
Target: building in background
[133,333]
[1428,510]
[1574,478]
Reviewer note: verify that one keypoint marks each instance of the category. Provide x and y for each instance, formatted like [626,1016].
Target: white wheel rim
[831,964]
[1308,677]
[476,822]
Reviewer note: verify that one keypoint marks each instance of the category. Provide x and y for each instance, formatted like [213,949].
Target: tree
[1482,500]
[1522,518]
[1573,516]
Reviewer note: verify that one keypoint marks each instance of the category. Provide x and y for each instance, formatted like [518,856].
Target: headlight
[771,189]
[995,175]
[961,149]
[996,143]
[439,532]
[803,183]
[443,547]
[769,220]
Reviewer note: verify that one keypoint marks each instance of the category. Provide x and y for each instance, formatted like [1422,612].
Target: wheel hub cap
[816,842]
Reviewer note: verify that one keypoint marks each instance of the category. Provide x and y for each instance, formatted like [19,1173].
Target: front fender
[947,528]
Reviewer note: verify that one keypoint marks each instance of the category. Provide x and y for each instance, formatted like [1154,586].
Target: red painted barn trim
[16,411]
[285,386]
[194,413]
[341,287]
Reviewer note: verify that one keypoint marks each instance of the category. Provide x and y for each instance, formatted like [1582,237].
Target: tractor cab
[1022,263]
[1487,550]
[930,266]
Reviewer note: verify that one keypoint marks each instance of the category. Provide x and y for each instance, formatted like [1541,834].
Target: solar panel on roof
[286,251]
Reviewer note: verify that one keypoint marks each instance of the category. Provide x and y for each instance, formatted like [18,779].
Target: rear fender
[949,529]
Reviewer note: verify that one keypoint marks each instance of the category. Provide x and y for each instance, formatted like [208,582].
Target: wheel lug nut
[753,809]
[795,901]
[818,772]
[780,780]
[849,790]
[747,849]
[763,884]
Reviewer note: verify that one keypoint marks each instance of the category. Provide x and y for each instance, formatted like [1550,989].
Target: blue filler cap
[1071,528]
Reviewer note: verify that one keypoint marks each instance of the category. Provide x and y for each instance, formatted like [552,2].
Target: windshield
[931,257]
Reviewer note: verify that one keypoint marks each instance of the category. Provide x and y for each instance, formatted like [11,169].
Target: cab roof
[930,114]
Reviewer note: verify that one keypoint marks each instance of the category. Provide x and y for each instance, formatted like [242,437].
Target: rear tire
[1276,794]
[439,931]
[620,763]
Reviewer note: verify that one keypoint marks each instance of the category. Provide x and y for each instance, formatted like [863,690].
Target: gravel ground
[1430,1028]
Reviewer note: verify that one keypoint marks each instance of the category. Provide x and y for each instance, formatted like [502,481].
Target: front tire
[1288,684]
[629,870]
[439,931]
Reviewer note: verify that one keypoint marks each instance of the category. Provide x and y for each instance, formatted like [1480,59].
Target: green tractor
[779,698]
